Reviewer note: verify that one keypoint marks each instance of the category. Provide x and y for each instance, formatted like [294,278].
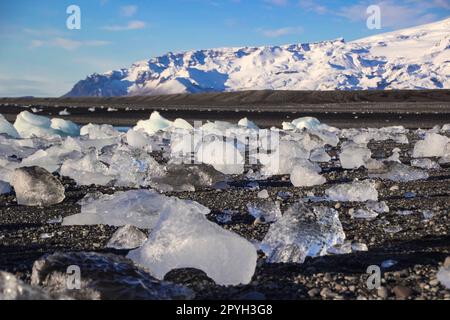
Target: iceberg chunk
[141,208]
[305,177]
[306,123]
[354,155]
[432,146]
[28,124]
[399,172]
[302,232]
[356,191]
[154,124]
[35,186]
[8,128]
[126,238]
[66,127]
[187,239]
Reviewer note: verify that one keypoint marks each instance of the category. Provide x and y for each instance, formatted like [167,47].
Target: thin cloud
[280,32]
[132,25]
[67,44]
[128,11]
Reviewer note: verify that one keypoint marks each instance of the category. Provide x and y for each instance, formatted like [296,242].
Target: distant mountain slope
[414,58]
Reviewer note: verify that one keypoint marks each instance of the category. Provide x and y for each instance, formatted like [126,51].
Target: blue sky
[39,56]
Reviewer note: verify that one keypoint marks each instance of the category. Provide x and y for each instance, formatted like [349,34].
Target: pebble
[313,292]
[402,292]
[383,292]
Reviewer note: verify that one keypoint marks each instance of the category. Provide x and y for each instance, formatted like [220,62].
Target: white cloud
[275,33]
[128,11]
[132,25]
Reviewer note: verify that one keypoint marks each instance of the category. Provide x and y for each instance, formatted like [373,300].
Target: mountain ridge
[413,58]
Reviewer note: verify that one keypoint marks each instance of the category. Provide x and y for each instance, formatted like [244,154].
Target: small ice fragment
[5,187]
[8,128]
[91,109]
[306,123]
[126,238]
[432,146]
[388,263]
[111,109]
[427,214]
[344,248]
[380,207]
[425,164]
[141,208]
[65,127]
[399,172]
[354,155]
[302,232]
[443,275]
[305,177]
[47,235]
[35,186]
[263,194]
[358,246]
[356,191]
[244,122]
[64,112]
[404,212]
[55,220]
[363,214]
[265,211]
[392,229]
[186,239]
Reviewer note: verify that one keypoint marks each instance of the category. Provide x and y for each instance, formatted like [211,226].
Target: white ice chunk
[305,177]
[425,164]
[354,155]
[186,239]
[306,123]
[137,139]
[400,173]
[180,123]
[263,194]
[66,127]
[35,186]
[8,128]
[443,276]
[95,131]
[28,124]
[432,146]
[141,208]
[244,122]
[154,124]
[302,232]
[380,207]
[356,191]
[12,288]
[126,238]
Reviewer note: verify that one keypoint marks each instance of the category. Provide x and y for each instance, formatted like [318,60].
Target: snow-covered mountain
[414,58]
